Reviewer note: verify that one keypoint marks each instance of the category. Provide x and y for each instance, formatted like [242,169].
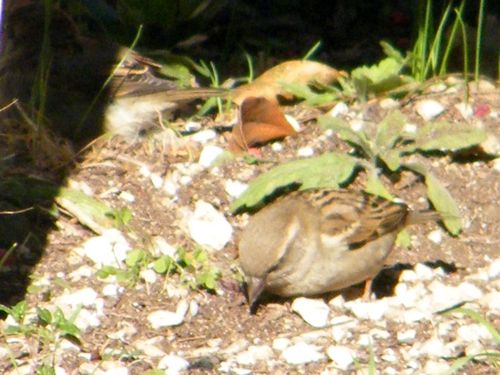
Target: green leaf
[134,257]
[378,78]
[327,170]
[311,97]
[163,264]
[444,204]
[390,130]
[374,186]
[444,136]
[403,239]
[441,199]
[44,316]
[45,370]
[391,158]
[342,127]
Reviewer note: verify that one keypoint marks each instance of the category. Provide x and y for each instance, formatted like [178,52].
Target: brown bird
[66,77]
[316,241]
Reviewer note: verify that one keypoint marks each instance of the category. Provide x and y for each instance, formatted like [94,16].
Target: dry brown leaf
[260,121]
[269,84]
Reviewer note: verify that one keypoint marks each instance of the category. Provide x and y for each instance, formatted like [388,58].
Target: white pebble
[407,336]
[413,315]
[342,356]
[305,152]
[313,311]
[150,347]
[110,290]
[163,318]
[408,275]
[235,188]
[436,367]
[339,109]
[204,136]
[301,353]
[127,197]
[389,103]
[173,364]
[492,302]
[193,308]
[389,355]
[436,236]
[424,272]
[494,268]
[208,227]
[209,155]
[277,147]
[156,180]
[429,109]
[148,275]
[254,354]
[281,343]
[192,126]
[410,128]
[162,247]
[368,310]
[108,249]
[474,332]
[357,125]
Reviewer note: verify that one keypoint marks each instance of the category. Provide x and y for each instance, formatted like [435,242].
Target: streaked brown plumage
[315,241]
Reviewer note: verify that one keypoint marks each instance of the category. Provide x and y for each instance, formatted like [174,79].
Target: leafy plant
[194,268]
[385,152]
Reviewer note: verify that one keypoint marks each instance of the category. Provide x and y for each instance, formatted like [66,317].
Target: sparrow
[73,70]
[320,240]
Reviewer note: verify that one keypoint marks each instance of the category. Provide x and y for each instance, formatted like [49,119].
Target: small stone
[110,290]
[434,347]
[209,155]
[204,136]
[494,269]
[277,146]
[389,355]
[235,188]
[342,356]
[193,308]
[254,354]
[173,364]
[436,236]
[208,227]
[408,275]
[127,197]
[389,103]
[413,315]
[301,353]
[305,152]
[192,126]
[149,276]
[340,109]
[150,347]
[424,272]
[162,318]
[407,336]
[492,302]
[125,333]
[357,125]
[156,180]
[281,343]
[410,128]
[374,310]
[474,333]
[108,249]
[341,327]
[436,367]
[429,109]
[313,311]
[162,247]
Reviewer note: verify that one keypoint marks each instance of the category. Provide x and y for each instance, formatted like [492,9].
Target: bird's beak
[255,285]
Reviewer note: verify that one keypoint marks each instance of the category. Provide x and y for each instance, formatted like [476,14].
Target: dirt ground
[113,166]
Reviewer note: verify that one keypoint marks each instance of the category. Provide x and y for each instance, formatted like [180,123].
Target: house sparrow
[76,69]
[316,241]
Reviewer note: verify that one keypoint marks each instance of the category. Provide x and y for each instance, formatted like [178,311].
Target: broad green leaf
[403,239]
[327,170]
[392,52]
[441,199]
[391,158]
[374,186]
[444,204]
[134,257]
[44,315]
[310,96]
[163,264]
[345,132]
[444,136]
[378,78]
[389,130]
